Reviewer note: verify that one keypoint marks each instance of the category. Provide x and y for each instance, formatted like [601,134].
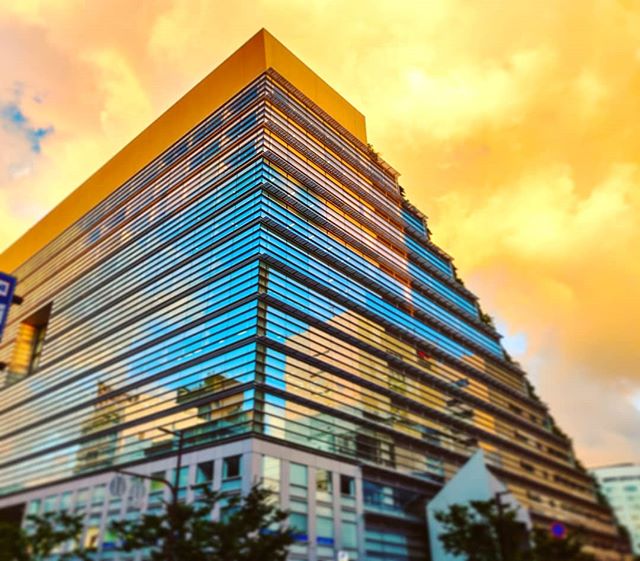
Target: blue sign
[7,286]
[558,530]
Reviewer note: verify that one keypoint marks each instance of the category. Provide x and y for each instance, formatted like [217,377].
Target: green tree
[12,543]
[548,548]
[479,532]
[43,535]
[482,532]
[250,528]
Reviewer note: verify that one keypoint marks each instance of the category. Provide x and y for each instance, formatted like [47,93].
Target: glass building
[248,273]
[620,484]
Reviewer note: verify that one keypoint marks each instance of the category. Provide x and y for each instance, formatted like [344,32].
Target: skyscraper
[247,274]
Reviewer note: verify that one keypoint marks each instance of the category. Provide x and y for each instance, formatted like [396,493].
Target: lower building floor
[346,511]
[337,510]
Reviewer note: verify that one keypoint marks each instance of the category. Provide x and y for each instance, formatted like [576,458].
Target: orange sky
[514,125]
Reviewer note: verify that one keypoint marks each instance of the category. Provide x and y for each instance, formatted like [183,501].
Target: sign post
[558,530]
[7,288]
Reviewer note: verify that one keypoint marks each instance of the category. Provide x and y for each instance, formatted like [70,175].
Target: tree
[44,535]
[482,532]
[249,528]
[12,543]
[548,548]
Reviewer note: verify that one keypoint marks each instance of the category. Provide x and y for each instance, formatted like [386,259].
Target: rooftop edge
[258,54]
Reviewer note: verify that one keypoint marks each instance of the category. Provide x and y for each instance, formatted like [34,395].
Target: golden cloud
[513,124]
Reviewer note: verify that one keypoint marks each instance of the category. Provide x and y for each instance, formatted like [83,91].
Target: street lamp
[173,487]
[176,476]
[174,533]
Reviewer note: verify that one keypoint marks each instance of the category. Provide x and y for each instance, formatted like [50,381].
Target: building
[247,271]
[474,481]
[620,484]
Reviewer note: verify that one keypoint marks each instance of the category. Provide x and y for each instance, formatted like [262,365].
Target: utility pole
[499,528]
[176,476]
[174,533]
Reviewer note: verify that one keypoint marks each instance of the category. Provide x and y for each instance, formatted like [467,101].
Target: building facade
[248,272]
[620,484]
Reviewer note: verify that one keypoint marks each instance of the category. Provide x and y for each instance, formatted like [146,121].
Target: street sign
[137,490]
[7,286]
[118,486]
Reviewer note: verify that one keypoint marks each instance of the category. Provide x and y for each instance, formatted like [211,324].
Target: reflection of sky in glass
[173,171]
[187,309]
[141,272]
[321,208]
[357,293]
[186,323]
[173,248]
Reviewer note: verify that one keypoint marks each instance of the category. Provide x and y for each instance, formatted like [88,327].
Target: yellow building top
[261,52]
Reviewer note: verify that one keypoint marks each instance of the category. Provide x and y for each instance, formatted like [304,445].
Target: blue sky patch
[516,344]
[15,121]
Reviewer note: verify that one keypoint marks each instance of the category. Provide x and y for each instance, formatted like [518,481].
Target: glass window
[347,486]
[231,473]
[324,530]
[156,489]
[391,499]
[231,467]
[324,484]
[65,500]
[204,473]
[349,535]
[349,515]
[271,473]
[183,481]
[28,345]
[81,498]
[324,510]
[50,503]
[183,477]
[298,505]
[137,490]
[298,522]
[156,485]
[34,507]
[298,474]
[298,479]
[115,503]
[97,497]
[204,480]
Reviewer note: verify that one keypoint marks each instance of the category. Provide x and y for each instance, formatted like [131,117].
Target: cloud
[124,99]
[20,137]
[513,126]
[543,215]
[14,121]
